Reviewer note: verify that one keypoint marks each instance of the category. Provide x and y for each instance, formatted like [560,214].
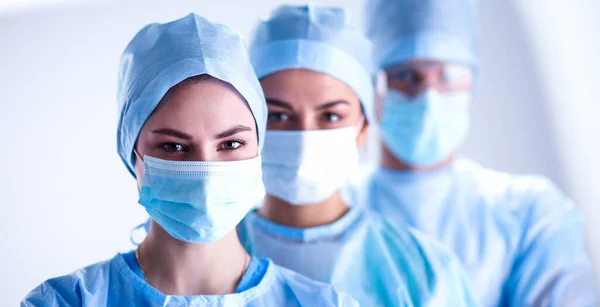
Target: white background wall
[66,200]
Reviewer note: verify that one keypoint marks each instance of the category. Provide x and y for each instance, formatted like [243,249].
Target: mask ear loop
[137,155]
[146,225]
[360,125]
[142,161]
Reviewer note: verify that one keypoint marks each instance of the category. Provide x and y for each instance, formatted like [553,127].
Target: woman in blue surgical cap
[315,72]
[519,238]
[192,121]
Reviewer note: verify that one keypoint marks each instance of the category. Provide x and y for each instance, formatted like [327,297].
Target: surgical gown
[364,256]
[119,282]
[519,238]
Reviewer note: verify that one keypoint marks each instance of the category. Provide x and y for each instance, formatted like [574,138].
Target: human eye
[278,117]
[171,148]
[231,145]
[331,117]
[404,75]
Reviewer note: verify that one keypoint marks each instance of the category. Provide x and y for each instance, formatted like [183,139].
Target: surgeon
[315,71]
[192,121]
[519,237]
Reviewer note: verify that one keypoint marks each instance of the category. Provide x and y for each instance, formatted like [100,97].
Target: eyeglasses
[412,78]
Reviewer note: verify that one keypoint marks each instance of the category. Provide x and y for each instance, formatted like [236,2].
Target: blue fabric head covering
[162,55]
[317,38]
[401,30]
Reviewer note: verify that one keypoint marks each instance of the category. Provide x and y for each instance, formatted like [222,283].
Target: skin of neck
[305,216]
[175,267]
[389,161]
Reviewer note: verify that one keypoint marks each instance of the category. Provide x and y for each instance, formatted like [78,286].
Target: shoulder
[515,192]
[446,276]
[308,291]
[427,257]
[410,241]
[437,274]
[541,212]
[69,290]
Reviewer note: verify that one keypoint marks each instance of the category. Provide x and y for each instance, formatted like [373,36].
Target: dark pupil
[229,144]
[173,147]
[277,116]
[406,75]
[410,76]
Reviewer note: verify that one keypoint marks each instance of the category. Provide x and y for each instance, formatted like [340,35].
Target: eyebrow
[232,131]
[174,133]
[284,105]
[279,103]
[332,104]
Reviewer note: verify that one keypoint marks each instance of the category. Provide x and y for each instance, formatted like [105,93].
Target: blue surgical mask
[309,166]
[427,129]
[200,201]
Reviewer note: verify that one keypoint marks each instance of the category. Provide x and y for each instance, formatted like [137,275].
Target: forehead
[306,86]
[201,105]
[416,64]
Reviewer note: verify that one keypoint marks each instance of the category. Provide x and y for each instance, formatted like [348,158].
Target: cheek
[247,152]
[251,150]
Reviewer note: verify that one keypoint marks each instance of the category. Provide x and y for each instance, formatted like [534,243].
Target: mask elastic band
[145,225]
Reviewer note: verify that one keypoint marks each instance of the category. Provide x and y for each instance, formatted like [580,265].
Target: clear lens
[415,76]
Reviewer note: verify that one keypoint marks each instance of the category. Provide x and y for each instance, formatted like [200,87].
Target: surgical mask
[425,130]
[309,166]
[200,201]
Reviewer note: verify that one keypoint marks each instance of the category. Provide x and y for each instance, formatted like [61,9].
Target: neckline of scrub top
[412,175]
[324,232]
[255,271]
[138,283]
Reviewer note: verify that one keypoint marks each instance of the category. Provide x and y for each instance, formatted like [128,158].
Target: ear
[381,84]
[378,106]
[138,168]
[361,138]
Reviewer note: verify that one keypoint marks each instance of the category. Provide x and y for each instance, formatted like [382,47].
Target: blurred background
[67,201]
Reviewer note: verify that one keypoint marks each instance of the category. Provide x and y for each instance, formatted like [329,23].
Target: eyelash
[275,116]
[328,114]
[164,146]
[242,144]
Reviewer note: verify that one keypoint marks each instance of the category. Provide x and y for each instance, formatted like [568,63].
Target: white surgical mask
[427,129]
[200,201]
[309,166]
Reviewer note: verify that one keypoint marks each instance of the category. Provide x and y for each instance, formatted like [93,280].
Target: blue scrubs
[361,254]
[119,282]
[519,238]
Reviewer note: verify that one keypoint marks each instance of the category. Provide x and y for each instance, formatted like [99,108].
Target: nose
[201,153]
[426,79]
[305,121]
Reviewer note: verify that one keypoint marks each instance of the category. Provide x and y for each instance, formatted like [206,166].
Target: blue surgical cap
[316,38]
[401,30]
[162,55]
